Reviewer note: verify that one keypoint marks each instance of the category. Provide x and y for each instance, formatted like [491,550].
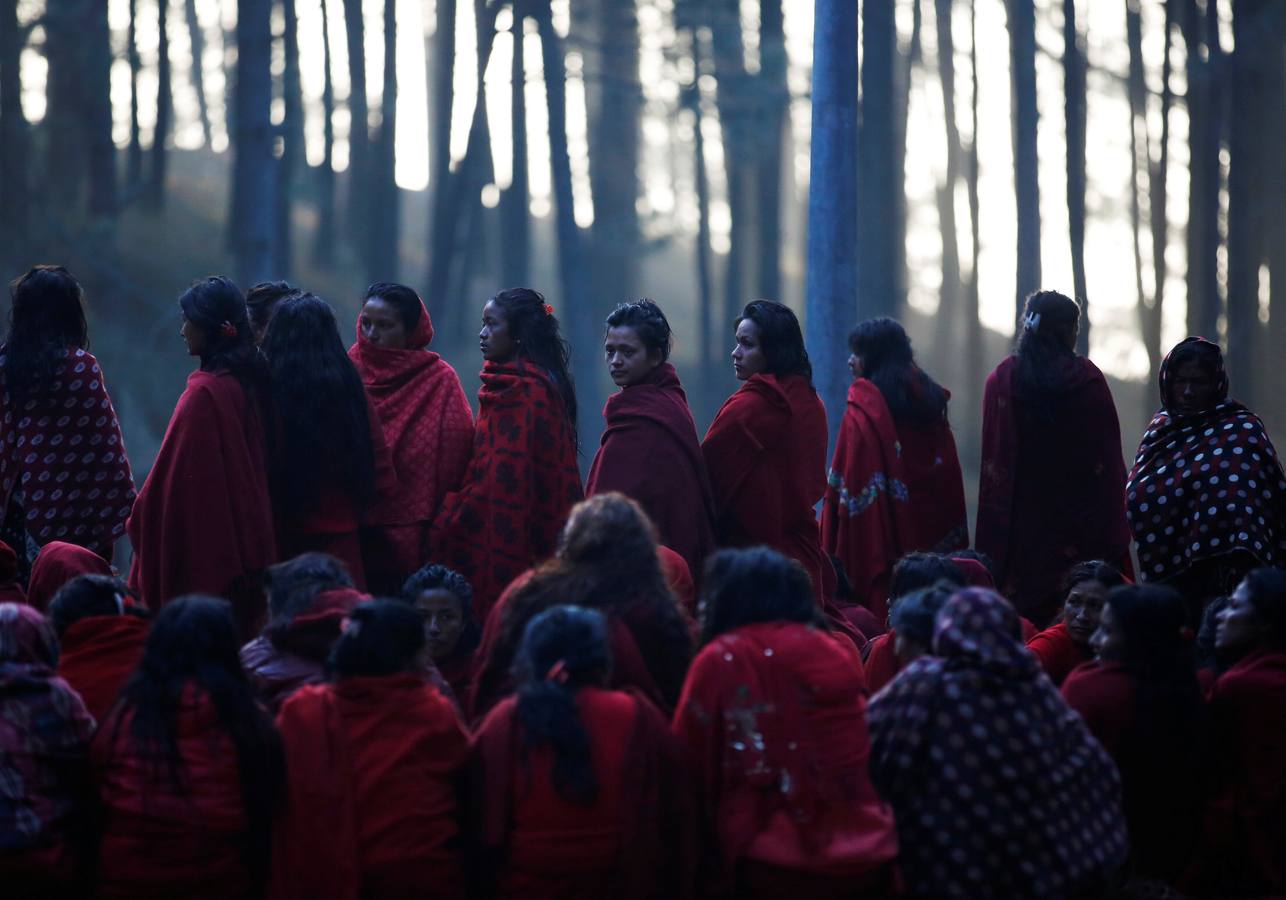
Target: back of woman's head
[293,584]
[322,406]
[648,322]
[381,637]
[46,318]
[780,337]
[262,300]
[1266,588]
[86,596]
[533,326]
[916,613]
[1046,343]
[922,569]
[562,649]
[887,361]
[216,306]
[1104,573]
[26,637]
[607,529]
[757,584]
[1153,622]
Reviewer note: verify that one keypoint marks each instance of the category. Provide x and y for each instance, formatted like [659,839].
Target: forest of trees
[75,191]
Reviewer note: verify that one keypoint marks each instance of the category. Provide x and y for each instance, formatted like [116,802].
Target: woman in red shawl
[895,483]
[650,451]
[1052,491]
[1207,497]
[44,753]
[1066,644]
[373,761]
[445,600]
[188,767]
[773,722]
[58,563]
[203,520]
[101,634]
[578,791]
[766,449]
[428,427]
[61,453]
[523,479]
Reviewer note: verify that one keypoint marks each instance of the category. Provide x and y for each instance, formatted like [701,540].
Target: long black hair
[535,329]
[86,596]
[216,305]
[47,317]
[780,337]
[322,407]
[383,637]
[194,644]
[648,322]
[562,649]
[757,584]
[912,396]
[1044,347]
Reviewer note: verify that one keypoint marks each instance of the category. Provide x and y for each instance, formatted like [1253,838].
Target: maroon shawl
[98,654]
[58,563]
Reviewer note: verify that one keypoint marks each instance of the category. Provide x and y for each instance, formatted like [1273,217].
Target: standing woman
[766,449]
[62,459]
[203,520]
[1052,491]
[895,484]
[649,451]
[522,480]
[427,423]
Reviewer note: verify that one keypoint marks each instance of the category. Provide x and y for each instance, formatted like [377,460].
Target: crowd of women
[373,646]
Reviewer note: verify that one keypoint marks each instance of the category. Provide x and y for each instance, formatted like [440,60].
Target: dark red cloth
[520,485]
[773,720]
[11,590]
[160,840]
[893,488]
[371,808]
[1052,489]
[58,563]
[766,455]
[649,452]
[678,578]
[1057,653]
[428,427]
[203,520]
[635,840]
[975,573]
[881,663]
[66,454]
[98,654]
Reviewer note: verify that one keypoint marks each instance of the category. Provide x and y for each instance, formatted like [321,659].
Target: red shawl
[66,453]
[893,488]
[11,590]
[98,654]
[766,455]
[1057,653]
[203,521]
[636,841]
[55,565]
[520,485]
[1052,491]
[649,452]
[371,808]
[882,663]
[429,430]
[678,578]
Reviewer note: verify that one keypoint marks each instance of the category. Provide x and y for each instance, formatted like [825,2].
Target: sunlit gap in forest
[667,200]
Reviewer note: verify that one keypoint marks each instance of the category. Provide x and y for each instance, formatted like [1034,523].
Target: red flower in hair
[549,310]
[227,329]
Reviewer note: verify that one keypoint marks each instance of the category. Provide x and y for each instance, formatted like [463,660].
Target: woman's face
[1108,641]
[1083,609]
[855,365]
[443,621]
[193,336]
[628,359]
[495,340]
[1192,389]
[748,356]
[1237,627]
[381,324]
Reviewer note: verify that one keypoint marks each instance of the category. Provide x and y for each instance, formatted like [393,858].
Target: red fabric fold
[1057,653]
[58,563]
[98,654]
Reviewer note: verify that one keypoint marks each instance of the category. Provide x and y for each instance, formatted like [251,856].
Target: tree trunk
[903,69]
[15,143]
[197,38]
[358,125]
[1205,131]
[879,222]
[134,157]
[1140,151]
[164,109]
[949,296]
[383,230]
[736,119]
[774,95]
[254,168]
[292,133]
[1158,184]
[1022,55]
[974,364]
[1074,116]
[514,205]
[324,240]
[97,36]
[441,77]
[832,280]
[707,354]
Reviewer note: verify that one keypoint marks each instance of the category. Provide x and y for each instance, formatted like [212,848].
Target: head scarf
[57,564]
[1206,354]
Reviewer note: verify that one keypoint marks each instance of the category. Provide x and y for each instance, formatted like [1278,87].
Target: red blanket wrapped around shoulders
[203,520]
[1057,653]
[520,485]
[98,654]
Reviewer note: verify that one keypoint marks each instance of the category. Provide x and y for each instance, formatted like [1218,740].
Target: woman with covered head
[577,790]
[523,478]
[998,788]
[427,423]
[1052,486]
[62,458]
[203,521]
[895,484]
[1207,497]
[373,761]
[649,451]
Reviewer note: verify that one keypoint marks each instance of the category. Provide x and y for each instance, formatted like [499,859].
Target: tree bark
[1206,122]
[514,204]
[1140,151]
[383,230]
[324,239]
[254,168]
[15,142]
[735,121]
[164,109]
[197,38]
[774,95]
[292,134]
[949,295]
[441,77]
[1022,54]
[1158,185]
[880,227]
[359,150]
[134,157]
[705,267]
[1074,117]
[974,364]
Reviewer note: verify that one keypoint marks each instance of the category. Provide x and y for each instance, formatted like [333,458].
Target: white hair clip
[1031,322]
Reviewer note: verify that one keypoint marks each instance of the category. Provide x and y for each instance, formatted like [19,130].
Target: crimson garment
[58,563]
[520,485]
[371,812]
[1057,653]
[65,453]
[881,663]
[678,578]
[99,653]
[160,840]
[766,455]
[773,721]
[649,452]
[1052,491]
[893,488]
[635,840]
[11,589]
[978,754]
[203,521]
[1159,771]
[428,427]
